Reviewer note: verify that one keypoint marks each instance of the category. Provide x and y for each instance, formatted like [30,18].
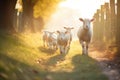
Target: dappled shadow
[87,68]
[81,62]
[11,69]
[16,70]
[46,50]
[53,60]
[84,69]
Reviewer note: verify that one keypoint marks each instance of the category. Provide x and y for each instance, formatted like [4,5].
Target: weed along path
[26,59]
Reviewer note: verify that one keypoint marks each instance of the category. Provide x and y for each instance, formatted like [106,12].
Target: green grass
[20,53]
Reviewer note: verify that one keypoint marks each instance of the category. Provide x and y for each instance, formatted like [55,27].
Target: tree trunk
[7,10]
[28,14]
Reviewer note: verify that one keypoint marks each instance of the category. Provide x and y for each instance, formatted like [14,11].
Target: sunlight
[69,12]
[85,7]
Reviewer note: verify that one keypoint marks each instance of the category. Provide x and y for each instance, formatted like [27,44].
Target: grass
[23,57]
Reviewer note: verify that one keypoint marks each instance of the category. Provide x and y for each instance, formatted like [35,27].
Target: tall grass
[23,57]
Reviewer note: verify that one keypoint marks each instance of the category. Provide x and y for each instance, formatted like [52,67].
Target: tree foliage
[39,9]
[44,8]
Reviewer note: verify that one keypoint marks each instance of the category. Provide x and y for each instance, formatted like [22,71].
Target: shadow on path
[46,50]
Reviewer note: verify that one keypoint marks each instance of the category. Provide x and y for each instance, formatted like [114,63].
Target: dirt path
[110,67]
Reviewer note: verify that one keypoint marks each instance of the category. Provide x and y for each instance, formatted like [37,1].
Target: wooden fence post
[102,23]
[107,21]
[118,22]
[112,22]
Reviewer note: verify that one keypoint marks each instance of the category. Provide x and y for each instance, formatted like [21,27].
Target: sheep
[85,34]
[63,41]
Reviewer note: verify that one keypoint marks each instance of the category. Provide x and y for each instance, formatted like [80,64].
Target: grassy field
[23,57]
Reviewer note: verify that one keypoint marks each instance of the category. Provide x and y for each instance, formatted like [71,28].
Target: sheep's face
[86,23]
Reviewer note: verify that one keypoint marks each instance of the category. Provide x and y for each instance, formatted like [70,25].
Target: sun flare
[86,7]
[69,12]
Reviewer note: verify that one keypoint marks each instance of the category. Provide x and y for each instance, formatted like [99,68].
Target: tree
[28,14]
[7,10]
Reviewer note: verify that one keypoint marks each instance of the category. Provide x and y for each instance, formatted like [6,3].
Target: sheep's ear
[44,31]
[58,32]
[65,27]
[66,32]
[92,20]
[81,19]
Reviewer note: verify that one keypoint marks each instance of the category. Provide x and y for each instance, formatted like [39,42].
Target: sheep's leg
[87,45]
[61,49]
[70,42]
[66,49]
[83,47]
[67,44]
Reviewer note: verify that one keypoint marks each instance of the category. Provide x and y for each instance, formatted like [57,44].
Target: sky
[85,7]
[69,12]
